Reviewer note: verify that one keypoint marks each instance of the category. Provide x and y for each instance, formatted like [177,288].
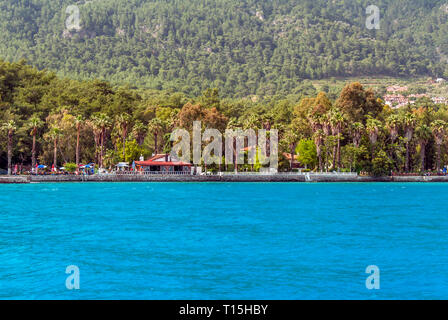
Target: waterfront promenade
[227,177]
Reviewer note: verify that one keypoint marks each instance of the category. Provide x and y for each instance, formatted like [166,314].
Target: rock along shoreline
[319,177]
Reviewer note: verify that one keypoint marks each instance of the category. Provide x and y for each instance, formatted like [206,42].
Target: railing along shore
[147,173]
[184,173]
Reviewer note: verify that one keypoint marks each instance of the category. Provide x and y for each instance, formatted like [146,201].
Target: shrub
[70,167]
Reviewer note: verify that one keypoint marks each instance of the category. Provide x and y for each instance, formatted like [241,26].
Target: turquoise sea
[224,240]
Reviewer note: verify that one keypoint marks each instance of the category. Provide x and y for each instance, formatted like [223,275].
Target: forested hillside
[242,47]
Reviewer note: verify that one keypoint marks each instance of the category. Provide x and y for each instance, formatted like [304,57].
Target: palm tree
[155,126]
[357,130]
[319,138]
[234,124]
[393,124]
[104,123]
[317,119]
[373,128]
[9,127]
[423,133]
[123,122]
[140,131]
[438,128]
[94,124]
[336,122]
[267,122]
[35,123]
[55,134]
[78,123]
[291,138]
[409,121]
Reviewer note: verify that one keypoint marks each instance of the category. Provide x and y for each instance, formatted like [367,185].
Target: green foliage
[246,47]
[133,151]
[93,118]
[381,164]
[70,167]
[306,149]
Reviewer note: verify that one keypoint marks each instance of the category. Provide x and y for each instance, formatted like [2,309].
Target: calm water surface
[223,241]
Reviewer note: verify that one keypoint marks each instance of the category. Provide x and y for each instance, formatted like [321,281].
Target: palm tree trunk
[293,148]
[33,152]
[102,148]
[319,156]
[55,153]
[9,152]
[339,151]
[422,155]
[235,155]
[124,143]
[407,156]
[77,147]
[438,158]
[335,148]
[156,147]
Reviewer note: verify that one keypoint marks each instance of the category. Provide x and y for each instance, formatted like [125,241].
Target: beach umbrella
[41,166]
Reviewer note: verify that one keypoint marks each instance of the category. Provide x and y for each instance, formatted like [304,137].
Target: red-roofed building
[163,164]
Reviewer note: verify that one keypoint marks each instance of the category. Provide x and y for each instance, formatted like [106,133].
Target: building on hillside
[295,162]
[395,100]
[439,100]
[163,164]
[397,89]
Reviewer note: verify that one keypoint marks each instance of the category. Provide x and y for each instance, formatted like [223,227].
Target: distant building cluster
[396,99]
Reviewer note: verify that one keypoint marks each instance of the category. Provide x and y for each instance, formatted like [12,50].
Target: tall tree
[373,128]
[140,131]
[409,120]
[357,129]
[337,122]
[95,125]
[123,122]
[393,124]
[35,123]
[9,127]
[55,133]
[319,137]
[79,121]
[104,123]
[357,103]
[155,126]
[292,138]
[423,133]
[439,128]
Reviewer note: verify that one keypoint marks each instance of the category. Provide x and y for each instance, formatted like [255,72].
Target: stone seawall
[14,179]
[224,178]
[193,178]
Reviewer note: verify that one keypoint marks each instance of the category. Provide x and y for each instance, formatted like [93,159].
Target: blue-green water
[223,241]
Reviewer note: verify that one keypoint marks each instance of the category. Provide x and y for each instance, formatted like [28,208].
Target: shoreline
[304,178]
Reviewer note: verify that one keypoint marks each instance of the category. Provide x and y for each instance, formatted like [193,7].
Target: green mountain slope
[244,47]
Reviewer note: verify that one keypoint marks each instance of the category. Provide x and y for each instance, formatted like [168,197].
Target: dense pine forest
[245,47]
[50,120]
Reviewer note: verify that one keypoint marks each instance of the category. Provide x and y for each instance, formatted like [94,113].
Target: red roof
[152,162]
[161,163]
